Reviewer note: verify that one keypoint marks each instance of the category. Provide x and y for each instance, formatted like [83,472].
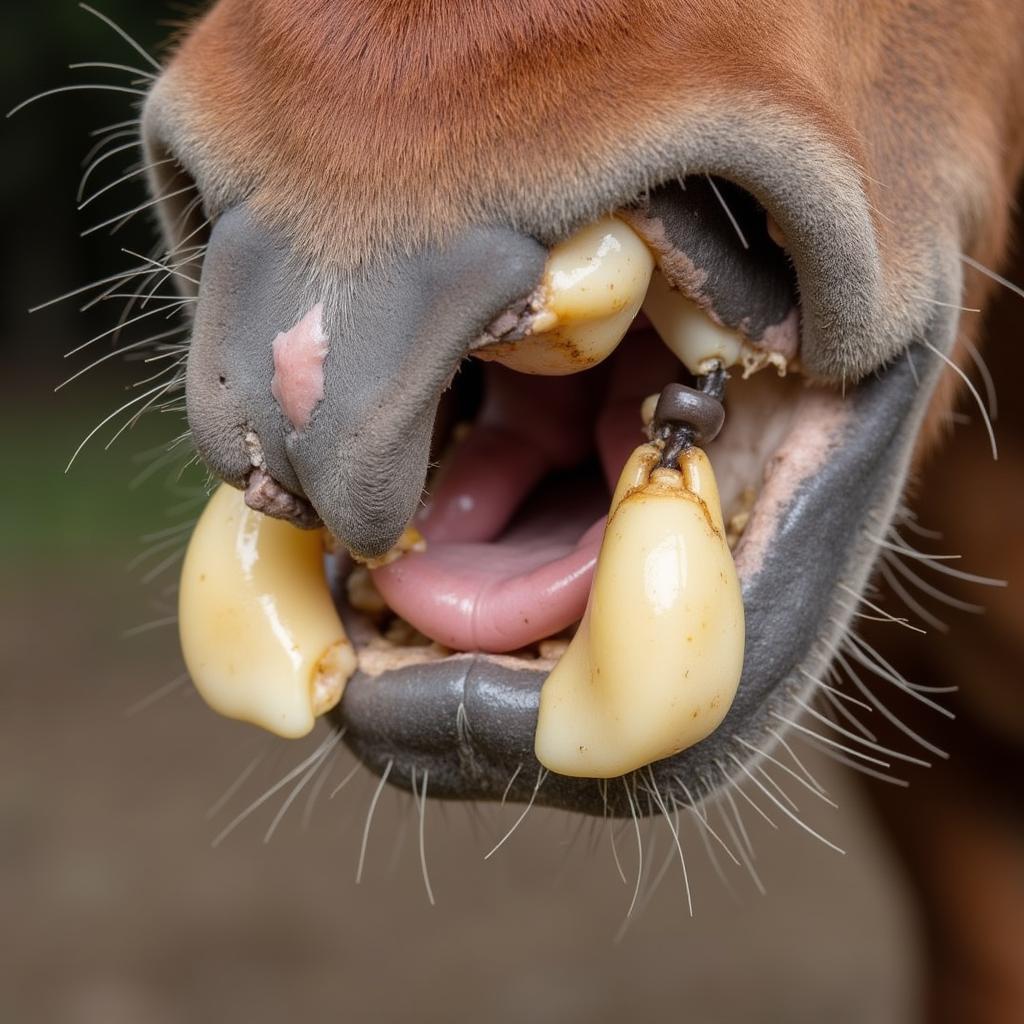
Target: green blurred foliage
[93,512]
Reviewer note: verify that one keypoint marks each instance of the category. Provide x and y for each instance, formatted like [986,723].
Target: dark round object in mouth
[686,416]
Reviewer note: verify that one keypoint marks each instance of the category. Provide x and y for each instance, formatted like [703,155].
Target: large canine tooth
[259,631]
[687,330]
[593,286]
[654,665]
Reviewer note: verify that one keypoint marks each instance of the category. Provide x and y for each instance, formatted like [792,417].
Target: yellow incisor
[687,330]
[593,285]
[655,663]
[259,631]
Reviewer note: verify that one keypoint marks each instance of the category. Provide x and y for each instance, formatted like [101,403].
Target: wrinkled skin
[409,174]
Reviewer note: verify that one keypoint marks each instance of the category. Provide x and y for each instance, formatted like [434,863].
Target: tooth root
[593,286]
[259,631]
[687,330]
[655,663]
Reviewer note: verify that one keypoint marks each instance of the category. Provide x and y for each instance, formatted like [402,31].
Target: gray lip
[399,328]
[467,723]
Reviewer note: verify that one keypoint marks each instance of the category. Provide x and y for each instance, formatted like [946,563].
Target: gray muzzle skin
[397,330]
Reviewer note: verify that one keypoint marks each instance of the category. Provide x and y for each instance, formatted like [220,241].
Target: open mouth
[454,640]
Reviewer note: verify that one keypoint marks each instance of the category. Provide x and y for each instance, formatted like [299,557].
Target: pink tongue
[470,591]
[495,597]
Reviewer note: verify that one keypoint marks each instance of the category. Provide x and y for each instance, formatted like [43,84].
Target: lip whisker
[369,818]
[744,846]
[542,774]
[133,43]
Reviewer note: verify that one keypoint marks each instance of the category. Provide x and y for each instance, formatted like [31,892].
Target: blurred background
[115,782]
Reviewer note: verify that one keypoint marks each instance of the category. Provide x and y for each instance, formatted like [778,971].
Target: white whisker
[734,786]
[885,616]
[999,279]
[122,218]
[91,167]
[314,793]
[741,839]
[96,86]
[615,850]
[829,741]
[345,781]
[146,627]
[796,760]
[215,808]
[974,394]
[885,712]
[945,305]
[725,206]
[299,787]
[369,818]
[785,810]
[909,600]
[674,829]
[136,46]
[991,399]
[639,848]
[923,585]
[106,419]
[808,785]
[423,817]
[125,275]
[704,820]
[157,695]
[108,66]
[277,787]
[541,776]
[120,181]
[508,788]
[170,307]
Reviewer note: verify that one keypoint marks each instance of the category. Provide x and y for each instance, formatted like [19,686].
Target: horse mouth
[454,643]
[810,479]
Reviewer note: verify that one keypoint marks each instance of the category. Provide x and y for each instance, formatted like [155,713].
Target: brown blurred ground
[117,909]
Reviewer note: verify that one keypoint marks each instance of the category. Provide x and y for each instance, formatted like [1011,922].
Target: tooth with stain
[594,283]
[259,631]
[655,663]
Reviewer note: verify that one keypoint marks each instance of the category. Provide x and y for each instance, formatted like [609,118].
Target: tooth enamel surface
[593,286]
[687,330]
[259,632]
[655,663]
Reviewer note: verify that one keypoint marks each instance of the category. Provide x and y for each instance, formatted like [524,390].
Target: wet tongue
[507,562]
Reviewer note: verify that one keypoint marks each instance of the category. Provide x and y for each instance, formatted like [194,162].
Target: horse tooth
[656,661]
[687,330]
[259,631]
[593,286]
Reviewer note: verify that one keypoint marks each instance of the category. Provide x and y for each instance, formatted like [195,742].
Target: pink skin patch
[299,354]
